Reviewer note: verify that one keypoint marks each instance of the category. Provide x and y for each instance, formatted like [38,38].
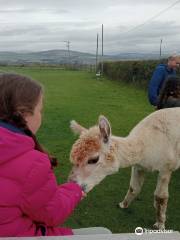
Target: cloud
[32,10]
[44,24]
[83,38]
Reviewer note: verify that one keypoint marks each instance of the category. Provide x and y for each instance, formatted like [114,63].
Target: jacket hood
[13,143]
[165,66]
[162,65]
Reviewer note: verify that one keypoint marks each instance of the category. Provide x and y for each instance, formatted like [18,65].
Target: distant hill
[65,57]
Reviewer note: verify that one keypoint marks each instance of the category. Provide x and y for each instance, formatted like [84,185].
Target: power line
[153,17]
[148,21]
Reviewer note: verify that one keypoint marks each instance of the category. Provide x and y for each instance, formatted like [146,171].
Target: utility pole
[160,51]
[102,66]
[68,48]
[97,46]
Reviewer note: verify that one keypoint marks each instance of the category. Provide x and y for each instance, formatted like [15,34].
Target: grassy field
[80,96]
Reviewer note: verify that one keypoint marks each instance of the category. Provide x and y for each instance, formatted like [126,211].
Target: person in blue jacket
[161,73]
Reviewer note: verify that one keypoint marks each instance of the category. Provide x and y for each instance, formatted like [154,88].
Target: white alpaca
[153,145]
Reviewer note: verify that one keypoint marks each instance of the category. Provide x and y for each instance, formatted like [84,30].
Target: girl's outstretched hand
[83,195]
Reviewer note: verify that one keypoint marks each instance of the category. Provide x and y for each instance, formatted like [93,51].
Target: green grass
[78,95]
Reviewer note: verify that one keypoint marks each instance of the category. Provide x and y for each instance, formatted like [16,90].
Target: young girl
[31,202]
[170,94]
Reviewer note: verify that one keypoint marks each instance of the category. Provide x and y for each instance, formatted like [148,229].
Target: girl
[31,202]
[170,94]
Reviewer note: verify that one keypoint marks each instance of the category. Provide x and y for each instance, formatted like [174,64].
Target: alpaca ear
[77,128]
[105,128]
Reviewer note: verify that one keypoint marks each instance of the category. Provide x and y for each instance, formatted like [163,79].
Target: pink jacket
[29,194]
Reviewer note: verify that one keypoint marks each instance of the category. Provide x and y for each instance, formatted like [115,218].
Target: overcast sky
[129,25]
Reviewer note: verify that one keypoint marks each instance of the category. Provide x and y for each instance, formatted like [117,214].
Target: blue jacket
[159,76]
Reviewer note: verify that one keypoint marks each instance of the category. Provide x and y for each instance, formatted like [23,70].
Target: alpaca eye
[93,160]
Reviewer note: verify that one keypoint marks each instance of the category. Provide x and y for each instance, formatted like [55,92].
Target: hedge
[136,72]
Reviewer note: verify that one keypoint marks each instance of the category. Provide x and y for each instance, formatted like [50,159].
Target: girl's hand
[83,195]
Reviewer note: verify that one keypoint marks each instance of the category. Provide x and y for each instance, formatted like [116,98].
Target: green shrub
[136,72]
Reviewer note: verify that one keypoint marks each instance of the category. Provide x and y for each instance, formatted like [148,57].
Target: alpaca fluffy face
[92,156]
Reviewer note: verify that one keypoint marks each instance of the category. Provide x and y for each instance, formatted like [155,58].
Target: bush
[136,72]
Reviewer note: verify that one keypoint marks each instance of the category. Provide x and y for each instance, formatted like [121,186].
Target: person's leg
[91,231]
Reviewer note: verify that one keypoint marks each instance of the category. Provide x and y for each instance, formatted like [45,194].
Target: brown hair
[18,95]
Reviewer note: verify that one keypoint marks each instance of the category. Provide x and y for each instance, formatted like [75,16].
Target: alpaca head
[92,155]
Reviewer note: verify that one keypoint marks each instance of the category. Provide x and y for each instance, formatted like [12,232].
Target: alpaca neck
[127,151]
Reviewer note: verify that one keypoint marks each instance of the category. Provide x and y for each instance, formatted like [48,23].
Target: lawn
[80,96]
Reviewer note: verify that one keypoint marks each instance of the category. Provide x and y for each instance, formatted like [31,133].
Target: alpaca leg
[136,183]
[161,195]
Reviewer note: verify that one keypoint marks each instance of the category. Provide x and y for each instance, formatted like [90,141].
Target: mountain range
[67,57]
